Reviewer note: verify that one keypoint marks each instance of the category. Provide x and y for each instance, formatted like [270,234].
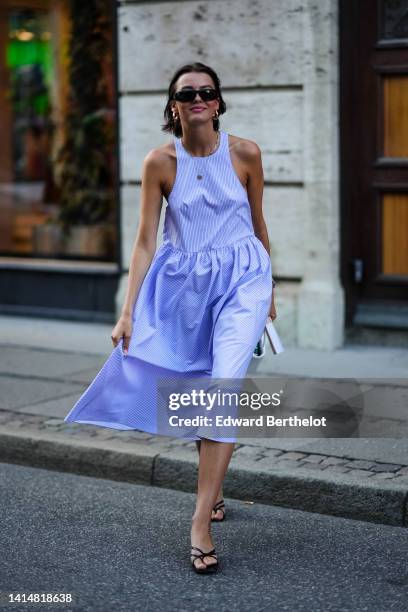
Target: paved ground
[45,365]
[114,545]
[94,338]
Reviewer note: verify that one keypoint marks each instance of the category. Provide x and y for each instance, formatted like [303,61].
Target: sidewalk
[45,365]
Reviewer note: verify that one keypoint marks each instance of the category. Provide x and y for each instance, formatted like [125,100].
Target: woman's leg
[218,514]
[213,463]
[238,328]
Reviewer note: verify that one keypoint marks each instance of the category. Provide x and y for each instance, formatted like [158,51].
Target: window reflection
[52,203]
[395,19]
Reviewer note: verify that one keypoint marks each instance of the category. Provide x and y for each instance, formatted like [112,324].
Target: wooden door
[374,156]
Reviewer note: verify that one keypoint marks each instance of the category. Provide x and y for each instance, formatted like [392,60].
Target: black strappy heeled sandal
[208,569]
[220,505]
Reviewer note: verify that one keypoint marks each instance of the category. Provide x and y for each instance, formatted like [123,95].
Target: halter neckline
[204,156]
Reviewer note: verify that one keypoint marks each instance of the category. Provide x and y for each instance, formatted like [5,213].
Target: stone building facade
[279,69]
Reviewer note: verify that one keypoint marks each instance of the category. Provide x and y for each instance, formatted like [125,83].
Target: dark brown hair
[175,126]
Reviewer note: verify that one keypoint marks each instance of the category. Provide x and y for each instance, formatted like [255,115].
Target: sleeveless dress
[202,306]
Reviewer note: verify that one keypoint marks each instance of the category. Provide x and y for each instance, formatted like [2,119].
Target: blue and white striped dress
[203,303]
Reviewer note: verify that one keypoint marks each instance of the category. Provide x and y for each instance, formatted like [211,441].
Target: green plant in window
[87,195]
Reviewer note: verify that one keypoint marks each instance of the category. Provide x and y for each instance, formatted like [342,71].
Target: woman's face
[198,111]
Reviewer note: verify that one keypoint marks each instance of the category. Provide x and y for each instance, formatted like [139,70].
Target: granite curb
[339,486]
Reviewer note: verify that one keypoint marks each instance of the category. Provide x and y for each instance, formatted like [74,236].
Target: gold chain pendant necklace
[194,158]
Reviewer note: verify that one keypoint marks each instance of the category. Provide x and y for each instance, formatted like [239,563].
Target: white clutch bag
[274,340]
[273,337]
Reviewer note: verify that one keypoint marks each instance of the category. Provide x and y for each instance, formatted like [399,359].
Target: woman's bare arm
[144,247]
[255,186]
[252,157]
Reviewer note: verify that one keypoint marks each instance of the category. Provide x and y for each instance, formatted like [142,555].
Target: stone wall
[278,66]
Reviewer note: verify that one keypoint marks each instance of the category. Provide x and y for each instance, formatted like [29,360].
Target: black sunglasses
[188,95]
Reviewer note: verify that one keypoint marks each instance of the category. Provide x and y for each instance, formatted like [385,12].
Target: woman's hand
[272,312]
[123,329]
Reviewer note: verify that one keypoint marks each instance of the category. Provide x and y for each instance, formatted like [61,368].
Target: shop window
[58,142]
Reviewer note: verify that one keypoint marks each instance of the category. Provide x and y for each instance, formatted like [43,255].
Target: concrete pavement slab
[18,392]
[54,407]
[48,363]
[346,362]
[74,336]
[352,361]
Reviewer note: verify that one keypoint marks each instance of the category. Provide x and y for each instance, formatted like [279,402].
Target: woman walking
[198,305]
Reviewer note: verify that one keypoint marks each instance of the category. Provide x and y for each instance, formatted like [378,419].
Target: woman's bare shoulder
[161,154]
[246,149]
[160,163]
